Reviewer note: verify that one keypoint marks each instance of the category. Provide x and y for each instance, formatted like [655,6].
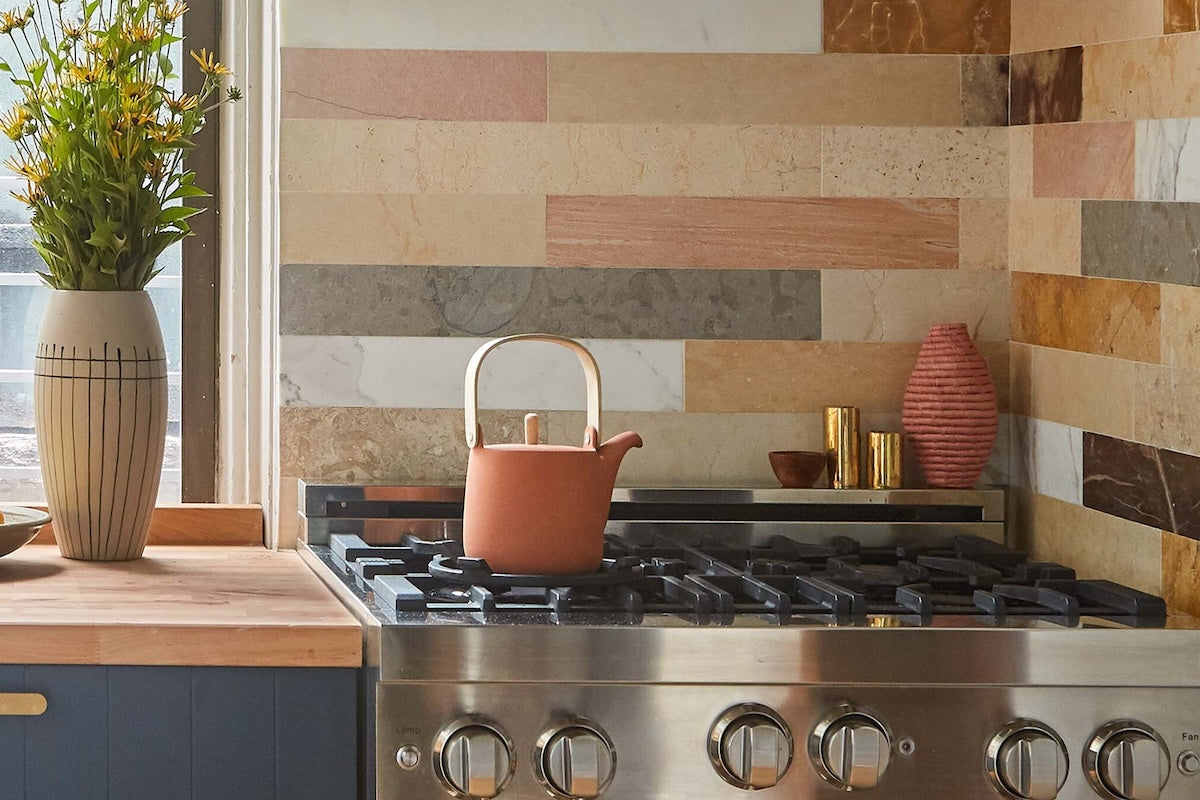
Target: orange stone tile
[788,89]
[1089,315]
[1181,16]
[1086,159]
[421,84]
[916,26]
[1046,24]
[1142,78]
[752,233]
[1181,573]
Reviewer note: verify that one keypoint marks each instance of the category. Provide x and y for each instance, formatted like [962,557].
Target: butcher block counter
[178,605]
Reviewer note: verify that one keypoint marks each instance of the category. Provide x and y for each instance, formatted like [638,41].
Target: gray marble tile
[985,90]
[578,302]
[1142,241]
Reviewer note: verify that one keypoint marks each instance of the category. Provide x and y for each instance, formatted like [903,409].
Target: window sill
[194,523]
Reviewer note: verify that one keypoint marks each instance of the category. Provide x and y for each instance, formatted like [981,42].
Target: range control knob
[850,748]
[473,759]
[1127,760]
[1027,760]
[750,746]
[576,761]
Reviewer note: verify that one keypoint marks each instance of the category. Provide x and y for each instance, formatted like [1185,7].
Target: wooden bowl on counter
[797,469]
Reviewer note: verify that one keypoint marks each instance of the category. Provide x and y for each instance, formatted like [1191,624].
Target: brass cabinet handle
[22,704]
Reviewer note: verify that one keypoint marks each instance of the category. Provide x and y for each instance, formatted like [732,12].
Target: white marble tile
[428,372]
[684,26]
[1167,163]
[1048,458]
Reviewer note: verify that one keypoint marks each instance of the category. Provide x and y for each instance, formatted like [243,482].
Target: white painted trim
[248,428]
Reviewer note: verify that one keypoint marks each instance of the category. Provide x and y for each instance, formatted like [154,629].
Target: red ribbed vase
[950,412]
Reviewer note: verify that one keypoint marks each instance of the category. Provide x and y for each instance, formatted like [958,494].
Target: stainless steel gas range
[790,643]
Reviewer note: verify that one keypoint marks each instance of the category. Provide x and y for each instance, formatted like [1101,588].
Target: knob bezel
[542,745]
[457,726]
[1017,726]
[727,718]
[816,739]
[1095,747]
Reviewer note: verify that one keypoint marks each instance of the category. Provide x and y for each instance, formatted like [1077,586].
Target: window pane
[22,301]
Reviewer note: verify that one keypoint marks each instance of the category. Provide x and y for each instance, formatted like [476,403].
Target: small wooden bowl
[797,469]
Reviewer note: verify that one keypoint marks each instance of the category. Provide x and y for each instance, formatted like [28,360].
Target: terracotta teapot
[539,508]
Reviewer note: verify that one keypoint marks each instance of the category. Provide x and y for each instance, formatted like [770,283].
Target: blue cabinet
[182,733]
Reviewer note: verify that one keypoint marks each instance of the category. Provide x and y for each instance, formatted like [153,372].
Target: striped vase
[950,412]
[100,409]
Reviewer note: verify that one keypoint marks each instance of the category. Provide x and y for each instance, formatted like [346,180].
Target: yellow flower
[166,12]
[114,149]
[156,169]
[15,19]
[14,121]
[140,34]
[182,103]
[74,30]
[209,64]
[90,73]
[33,171]
[166,134]
[34,195]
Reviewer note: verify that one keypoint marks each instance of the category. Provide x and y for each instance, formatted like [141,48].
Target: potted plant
[101,139]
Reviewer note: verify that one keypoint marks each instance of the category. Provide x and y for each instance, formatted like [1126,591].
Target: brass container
[841,446]
[885,460]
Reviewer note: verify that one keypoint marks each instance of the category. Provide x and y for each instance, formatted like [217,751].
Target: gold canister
[841,446]
[885,460]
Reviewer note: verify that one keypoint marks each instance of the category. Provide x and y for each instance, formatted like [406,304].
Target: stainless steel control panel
[639,742]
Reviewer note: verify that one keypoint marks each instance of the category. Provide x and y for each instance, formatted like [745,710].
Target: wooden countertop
[178,605]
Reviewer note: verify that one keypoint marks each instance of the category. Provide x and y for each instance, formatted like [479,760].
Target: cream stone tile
[900,305]
[1020,160]
[983,234]
[491,230]
[748,26]
[1082,390]
[1136,79]
[1044,235]
[915,162]
[438,157]
[1181,326]
[1096,544]
[1020,368]
[1047,24]
[1165,407]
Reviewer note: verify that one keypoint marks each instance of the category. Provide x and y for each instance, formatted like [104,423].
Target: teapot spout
[616,447]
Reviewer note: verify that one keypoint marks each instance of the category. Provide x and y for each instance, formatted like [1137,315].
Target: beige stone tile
[1047,24]
[1181,573]
[741,88]
[1181,326]
[1020,369]
[983,234]
[1094,393]
[900,305]
[1020,160]
[1164,408]
[436,157]
[914,162]
[1096,544]
[486,230]
[1044,236]
[1135,79]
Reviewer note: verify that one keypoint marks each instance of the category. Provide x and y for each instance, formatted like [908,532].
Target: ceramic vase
[100,410]
[950,412]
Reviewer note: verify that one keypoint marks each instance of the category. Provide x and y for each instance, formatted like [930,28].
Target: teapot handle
[591,374]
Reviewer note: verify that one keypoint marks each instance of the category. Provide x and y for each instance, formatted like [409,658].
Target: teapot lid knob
[531,428]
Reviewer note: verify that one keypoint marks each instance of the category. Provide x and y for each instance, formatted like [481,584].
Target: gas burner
[476,572]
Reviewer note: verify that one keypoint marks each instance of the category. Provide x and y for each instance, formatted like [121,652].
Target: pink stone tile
[418,84]
[1085,159]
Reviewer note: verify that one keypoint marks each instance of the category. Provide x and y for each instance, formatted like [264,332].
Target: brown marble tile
[752,233]
[1095,544]
[1141,483]
[916,26]
[1047,86]
[421,84]
[788,89]
[1086,159]
[1046,24]
[985,90]
[1181,16]
[1181,573]
[1133,79]
[1112,318]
